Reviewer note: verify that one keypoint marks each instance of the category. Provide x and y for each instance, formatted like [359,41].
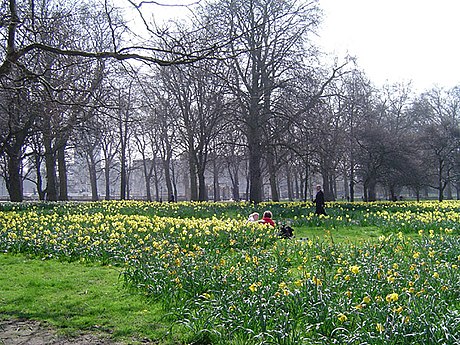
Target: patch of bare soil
[28,332]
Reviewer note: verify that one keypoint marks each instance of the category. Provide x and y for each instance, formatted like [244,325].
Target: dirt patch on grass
[22,332]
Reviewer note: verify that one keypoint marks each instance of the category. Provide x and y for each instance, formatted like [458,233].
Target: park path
[27,332]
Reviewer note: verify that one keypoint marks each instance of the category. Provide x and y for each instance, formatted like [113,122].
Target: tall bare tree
[19,110]
[268,35]
[438,119]
[20,38]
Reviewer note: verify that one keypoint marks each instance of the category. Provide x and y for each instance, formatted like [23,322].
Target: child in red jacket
[267,218]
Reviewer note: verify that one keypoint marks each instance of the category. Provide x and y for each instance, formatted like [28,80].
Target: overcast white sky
[393,40]
[397,40]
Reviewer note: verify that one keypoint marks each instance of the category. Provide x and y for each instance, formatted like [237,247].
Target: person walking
[319,201]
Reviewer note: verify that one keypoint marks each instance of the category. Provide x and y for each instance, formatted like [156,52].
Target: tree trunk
[236,188]
[255,177]
[188,193]
[39,181]
[128,189]
[50,164]
[107,179]
[372,196]
[156,182]
[426,193]
[346,187]
[167,171]
[248,187]
[440,184]
[174,182]
[333,187]
[352,182]
[216,181]
[202,192]
[274,187]
[448,189]
[297,186]
[327,188]
[92,176]
[193,177]
[147,177]
[233,173]
[307,173]
[254,131]
[272,176]
[14,180]
[123,173]
[62,168]
[289,183]
[147,189]
[255,154]
[393,194]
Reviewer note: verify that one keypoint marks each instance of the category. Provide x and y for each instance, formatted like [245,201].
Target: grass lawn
[75,297]
[194,275]
[353,234]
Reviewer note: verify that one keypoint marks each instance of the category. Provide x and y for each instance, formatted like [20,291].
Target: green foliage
[378,273]
[78,297]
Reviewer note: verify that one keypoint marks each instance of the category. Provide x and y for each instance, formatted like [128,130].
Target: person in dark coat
[319,201]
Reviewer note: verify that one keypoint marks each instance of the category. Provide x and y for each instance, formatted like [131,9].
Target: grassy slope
[74,297]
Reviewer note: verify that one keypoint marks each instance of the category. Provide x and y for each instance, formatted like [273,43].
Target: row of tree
[242,85]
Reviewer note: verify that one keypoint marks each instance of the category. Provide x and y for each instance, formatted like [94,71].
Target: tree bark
[271,164]
[107,179]
[123,174]
[372,196]
[167,172]
[148,192]
[289,182]
[39,177]
[274,185]
[440,183]
[50,164]
[232,168]
[352,186]
[307,176]
[92,176]
[216,185]
[14,180]
[193,178]
[255,174]
[202,191]
[62,168]
[147,176]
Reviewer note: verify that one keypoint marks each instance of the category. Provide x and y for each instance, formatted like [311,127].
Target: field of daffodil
[233,282]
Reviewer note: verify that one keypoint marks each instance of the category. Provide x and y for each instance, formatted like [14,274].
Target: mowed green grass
[181,308]
[353,234]
[75,297]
